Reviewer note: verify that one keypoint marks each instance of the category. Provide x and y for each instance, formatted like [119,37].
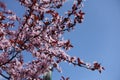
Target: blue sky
[96,39]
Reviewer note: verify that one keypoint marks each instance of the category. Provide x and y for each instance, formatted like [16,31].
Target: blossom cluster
[40,36]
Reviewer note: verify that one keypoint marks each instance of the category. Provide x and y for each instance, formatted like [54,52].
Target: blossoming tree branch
[40,36]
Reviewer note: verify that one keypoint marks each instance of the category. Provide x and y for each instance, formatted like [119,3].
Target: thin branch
[9,59]
[4,76]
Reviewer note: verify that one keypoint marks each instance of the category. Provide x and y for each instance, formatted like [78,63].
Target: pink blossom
[40,36]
